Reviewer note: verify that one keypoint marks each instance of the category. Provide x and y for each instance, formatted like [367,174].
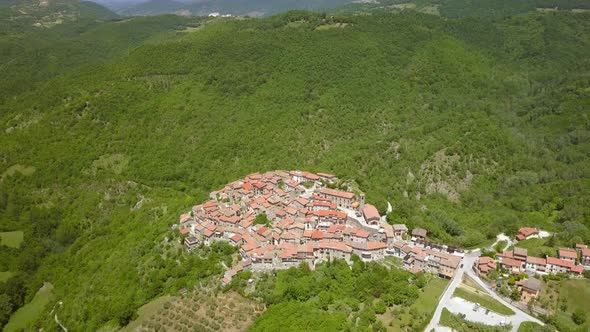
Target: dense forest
[469,126]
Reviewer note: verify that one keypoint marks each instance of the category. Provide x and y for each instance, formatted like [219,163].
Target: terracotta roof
[528,231]
[236,237]
[184,231]
[334,245]
[370,212]
[505,254]
[568,253]
[536,260]
[337,193]
[310,176]
[577,269]
[317,235]
[559,262]
[511,262]
[585,252]
[360,233]
[485,260]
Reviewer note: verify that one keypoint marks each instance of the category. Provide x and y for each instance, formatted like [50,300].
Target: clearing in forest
[29,313]
[11,239]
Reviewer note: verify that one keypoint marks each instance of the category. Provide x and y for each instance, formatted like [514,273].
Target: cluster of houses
[517,261]
[308,222]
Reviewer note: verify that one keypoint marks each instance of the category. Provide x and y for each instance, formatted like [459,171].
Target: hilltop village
[281,219]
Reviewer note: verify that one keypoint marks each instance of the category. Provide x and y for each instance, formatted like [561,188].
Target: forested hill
[23,16]
[468,127]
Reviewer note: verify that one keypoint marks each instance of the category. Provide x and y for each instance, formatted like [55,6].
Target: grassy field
[538,247]
[563,298]
[473,293]
[11,239]
[5,275]
[30,312]
[459,324]
[419,313]
[529,327]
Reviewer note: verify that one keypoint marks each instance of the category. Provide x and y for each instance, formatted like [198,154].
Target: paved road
[467,262]
[519,317]
[445,299]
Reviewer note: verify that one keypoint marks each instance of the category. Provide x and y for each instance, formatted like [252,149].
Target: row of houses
[518,261]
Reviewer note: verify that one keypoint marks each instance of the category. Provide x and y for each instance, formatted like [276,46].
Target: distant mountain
[22,16]
[234,7]
[153,7]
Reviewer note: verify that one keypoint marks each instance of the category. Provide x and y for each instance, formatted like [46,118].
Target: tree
[262,219]
[579,316]
[5,309]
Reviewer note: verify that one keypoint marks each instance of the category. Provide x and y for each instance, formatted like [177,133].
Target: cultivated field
[203,310]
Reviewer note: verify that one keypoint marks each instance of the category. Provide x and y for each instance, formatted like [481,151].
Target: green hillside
[468,127]
[30,15]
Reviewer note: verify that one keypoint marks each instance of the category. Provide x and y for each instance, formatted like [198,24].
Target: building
[585,257]
[536,264]
[419,234]
[556,265]
[343,199]
[371,214]
[568,254]
[484,264]
[191,242]
[530,289]
[520,254]
[526,233]
[400,230]
[513,266]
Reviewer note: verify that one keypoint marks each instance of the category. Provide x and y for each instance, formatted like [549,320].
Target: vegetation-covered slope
[468,127]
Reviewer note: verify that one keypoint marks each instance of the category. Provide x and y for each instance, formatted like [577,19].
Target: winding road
[467,262]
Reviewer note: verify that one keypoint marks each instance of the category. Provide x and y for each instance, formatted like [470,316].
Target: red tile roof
[360,233]
[528,231]
[511,262]
[568,253]
[335,246]
[370,212]
[317,235]
[536,260]
[337,193]
[559,262]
